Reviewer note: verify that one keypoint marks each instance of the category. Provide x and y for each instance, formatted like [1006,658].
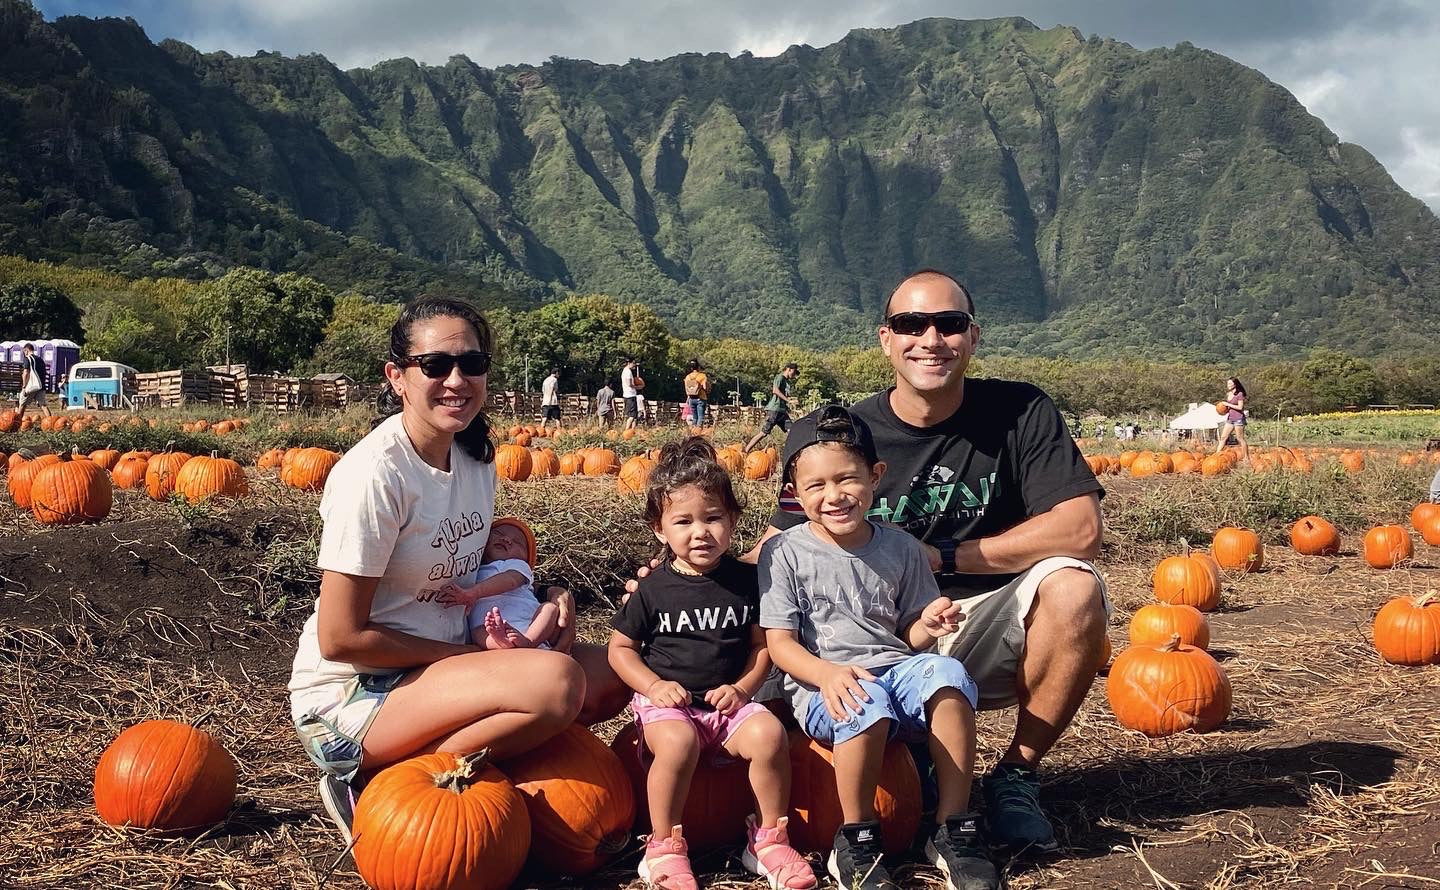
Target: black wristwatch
[947,556]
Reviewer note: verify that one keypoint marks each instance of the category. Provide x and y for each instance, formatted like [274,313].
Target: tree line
[294,324]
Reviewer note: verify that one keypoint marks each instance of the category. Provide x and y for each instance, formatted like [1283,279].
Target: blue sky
[1368,68]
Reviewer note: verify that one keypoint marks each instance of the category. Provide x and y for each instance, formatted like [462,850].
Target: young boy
[515,620]
[848,606]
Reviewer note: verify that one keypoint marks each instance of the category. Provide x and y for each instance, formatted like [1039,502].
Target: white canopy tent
[1201,416]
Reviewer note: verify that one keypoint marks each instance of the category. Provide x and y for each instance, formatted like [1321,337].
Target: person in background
[629,373]
[550,401]
[1435,488]
[697,392]
[1235,417]
[32,382]
[777,410]
[605,404]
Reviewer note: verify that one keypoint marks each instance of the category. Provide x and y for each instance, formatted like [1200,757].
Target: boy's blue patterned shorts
[898,694]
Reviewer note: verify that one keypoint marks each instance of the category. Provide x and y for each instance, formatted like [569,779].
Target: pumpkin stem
[1170,645]
[457,779]
[1427,598]
[1185,545]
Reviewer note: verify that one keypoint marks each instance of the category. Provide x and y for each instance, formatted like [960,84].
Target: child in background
[848,608]
[505,583]
[687,643]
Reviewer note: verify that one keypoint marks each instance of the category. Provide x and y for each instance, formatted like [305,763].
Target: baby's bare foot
[498,633]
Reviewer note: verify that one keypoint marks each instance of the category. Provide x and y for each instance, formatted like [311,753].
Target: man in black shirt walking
[984,473]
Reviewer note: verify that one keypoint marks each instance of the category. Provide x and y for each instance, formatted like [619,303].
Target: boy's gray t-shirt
[848,607]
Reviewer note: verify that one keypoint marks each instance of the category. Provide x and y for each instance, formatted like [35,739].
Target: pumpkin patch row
[1300,460]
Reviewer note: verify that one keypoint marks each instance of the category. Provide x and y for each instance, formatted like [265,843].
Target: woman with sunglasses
[385,668]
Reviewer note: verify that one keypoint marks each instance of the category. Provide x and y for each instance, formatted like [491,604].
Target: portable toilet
[107,380]
[58,356]
[10,350]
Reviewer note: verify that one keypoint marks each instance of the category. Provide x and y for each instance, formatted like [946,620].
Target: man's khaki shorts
[992,639]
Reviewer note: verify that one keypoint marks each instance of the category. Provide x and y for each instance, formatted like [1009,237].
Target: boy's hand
[667,694]
[941,617]
[727,699]
[841,689]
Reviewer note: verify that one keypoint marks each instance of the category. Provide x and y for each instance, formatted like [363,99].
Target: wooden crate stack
[170,389]
[10,376]
[272,393]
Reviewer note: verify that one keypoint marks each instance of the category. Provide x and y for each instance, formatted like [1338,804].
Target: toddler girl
[688,644]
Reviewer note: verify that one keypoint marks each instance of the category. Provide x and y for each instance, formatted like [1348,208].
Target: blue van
[110,383]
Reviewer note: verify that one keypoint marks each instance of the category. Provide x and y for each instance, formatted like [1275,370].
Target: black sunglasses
[438,364]
[913,324]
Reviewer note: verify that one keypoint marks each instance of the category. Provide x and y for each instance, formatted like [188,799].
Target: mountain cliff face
[1096,198]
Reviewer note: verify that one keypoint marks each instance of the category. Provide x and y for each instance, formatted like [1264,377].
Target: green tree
[356,339]
[267,322]
[118,334]
[30,310]
[1334,380]
[586,337]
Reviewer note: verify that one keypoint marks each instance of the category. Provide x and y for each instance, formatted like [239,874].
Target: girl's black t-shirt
[1005,455]
[694,629]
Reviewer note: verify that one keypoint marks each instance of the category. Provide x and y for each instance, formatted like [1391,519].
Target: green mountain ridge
[1098,199]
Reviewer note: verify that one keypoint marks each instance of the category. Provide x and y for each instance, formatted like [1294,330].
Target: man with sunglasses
[985,474]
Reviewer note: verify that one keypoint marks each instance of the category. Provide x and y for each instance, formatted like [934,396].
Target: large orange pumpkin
[308,468]
[105,458]
[209,477]
[816,804]
[1387,545]
[635,475]
[580,801]
[70,492]
[513,462]
[1187,580]
[731,459]
[571,463]
[1423,513]
[439,822]
[1156,623]
[9,420]
[601,462]
[1162,690]
[23,473]
[164,775]
[1238,549]
[716,807]
[544,463]
[1430,531]
[270,459]
[1352,461]
[1407,630]
[1314,536]
[129,472]
[759,465]
[161,472]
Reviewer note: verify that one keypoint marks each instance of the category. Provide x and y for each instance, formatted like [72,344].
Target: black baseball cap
[832,423]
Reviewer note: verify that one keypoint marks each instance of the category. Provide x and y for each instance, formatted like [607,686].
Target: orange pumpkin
[1214,465]
[9,420]
[1098,464]
[203,477]
[731,459]
[437,822]
[601,462]
[105,458]
[571,463]
[816,804]
[1152,625]
[513,462]
[1187,580]
[1222,408]
[718,802]
[1407,630]
[23,473]
[160,473]
[1314,536]
[580,801]
[270,459]
[544,463]
[70,492]
[1430,531]
[1352,461]
[1386,546]
[1423,513]
[635,475]
[129,472]
[1238,549]
[1163,690]
[759,465]
[164,775]
[308,468]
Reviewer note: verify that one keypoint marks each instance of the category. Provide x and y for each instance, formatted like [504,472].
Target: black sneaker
[339,800]
[1013,814]
[855,860]
[956,849]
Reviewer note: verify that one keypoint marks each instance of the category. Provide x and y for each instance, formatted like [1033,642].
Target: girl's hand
[727,699]
[840,688]
[667,694]
[941,617]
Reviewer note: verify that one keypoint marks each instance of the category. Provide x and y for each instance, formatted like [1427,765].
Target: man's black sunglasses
[438,364]
[913,324]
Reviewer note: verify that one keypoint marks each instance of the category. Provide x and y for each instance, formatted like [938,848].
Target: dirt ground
[1326,775]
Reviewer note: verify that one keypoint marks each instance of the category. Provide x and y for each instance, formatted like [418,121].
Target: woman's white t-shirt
[389,515]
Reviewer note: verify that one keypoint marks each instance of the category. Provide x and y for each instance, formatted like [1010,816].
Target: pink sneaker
[768,853]
[667,863]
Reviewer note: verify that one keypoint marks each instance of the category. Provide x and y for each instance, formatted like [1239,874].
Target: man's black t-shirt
[1003,457]
[694,629]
